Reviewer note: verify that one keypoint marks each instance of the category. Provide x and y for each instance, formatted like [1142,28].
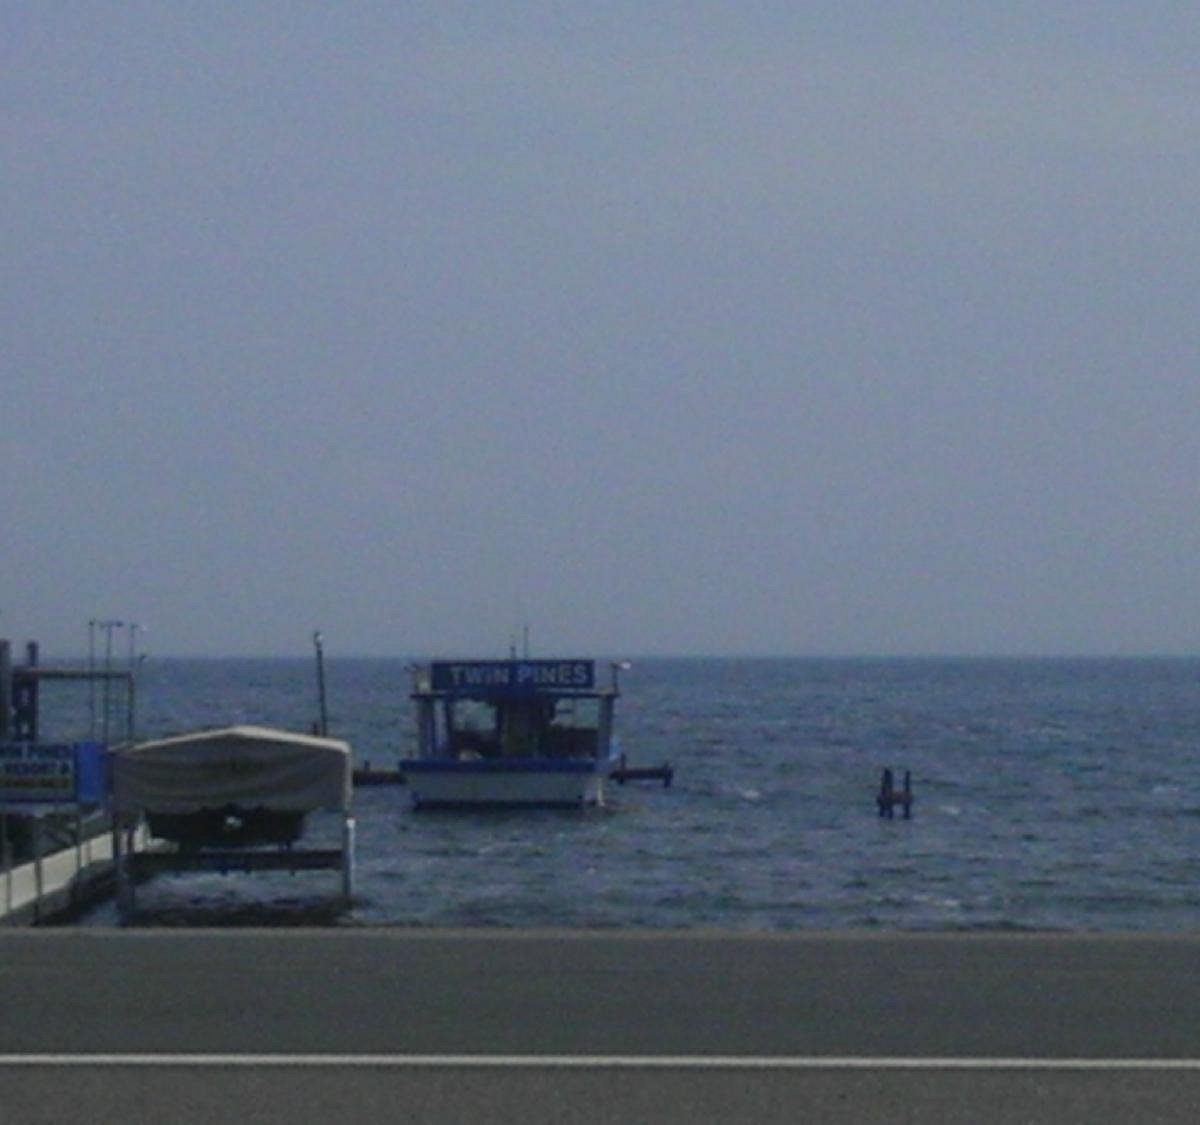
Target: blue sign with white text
[52,773]
[512,677]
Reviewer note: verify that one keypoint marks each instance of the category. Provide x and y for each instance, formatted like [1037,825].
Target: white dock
[39,889]
[99,815]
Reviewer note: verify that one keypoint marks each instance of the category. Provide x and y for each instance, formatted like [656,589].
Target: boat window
[578,714]
[537,727]
[572,732]
[474,729]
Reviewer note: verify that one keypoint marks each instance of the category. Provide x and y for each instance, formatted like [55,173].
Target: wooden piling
[889,796]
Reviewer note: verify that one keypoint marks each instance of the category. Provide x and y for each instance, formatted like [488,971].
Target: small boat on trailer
[511,733]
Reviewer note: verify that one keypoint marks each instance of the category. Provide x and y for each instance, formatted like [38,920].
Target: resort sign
[503,677]
[51,773]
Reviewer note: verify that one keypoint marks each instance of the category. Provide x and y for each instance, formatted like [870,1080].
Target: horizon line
[673,655]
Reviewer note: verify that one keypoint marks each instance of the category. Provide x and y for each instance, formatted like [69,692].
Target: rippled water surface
[1050,794]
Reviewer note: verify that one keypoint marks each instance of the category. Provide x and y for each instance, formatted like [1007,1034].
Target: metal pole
[131,850]
[108,627]
[92,678]
[107,683]
[122,860]
[38,878]
[348,859]
[132,690]
[78,854]
[31,693]
[323,724]
[5,688]
[114,847]
[7,862]
[129,689]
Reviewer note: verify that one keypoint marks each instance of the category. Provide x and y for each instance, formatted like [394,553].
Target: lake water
[1050,794]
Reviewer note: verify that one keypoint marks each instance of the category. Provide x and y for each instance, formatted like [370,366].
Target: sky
[660,328]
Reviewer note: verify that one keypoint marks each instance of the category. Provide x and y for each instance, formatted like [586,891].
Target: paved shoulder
[599,994]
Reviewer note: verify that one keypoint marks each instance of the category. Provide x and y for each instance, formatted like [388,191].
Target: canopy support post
[348,832]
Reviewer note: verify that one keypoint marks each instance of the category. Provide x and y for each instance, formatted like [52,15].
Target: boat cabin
[508,710]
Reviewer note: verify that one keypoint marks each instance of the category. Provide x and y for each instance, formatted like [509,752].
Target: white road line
[599,1062]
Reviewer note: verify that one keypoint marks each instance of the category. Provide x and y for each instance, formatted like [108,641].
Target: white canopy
[246,766]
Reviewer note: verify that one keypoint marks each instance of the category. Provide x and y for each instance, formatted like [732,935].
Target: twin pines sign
[512,677]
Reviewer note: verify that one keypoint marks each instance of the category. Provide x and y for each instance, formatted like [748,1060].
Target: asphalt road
[496,1026]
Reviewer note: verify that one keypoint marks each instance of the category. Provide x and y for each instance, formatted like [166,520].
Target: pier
[81,819]
[57,843]
[624,772]
[62,878]
[368,775]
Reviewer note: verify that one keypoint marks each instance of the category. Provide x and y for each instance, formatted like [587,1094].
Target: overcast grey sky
[664,327]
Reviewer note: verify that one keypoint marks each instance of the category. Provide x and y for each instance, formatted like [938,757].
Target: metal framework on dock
[49,816]
[20,694]
[134,865]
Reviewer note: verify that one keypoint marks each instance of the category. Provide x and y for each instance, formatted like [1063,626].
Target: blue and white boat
[510,733]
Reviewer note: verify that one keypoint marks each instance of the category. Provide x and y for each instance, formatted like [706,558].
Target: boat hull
[228,827]
[518,783]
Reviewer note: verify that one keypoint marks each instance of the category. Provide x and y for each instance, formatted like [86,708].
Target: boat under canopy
[232,786]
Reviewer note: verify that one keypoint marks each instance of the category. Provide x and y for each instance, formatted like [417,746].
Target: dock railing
[70,864]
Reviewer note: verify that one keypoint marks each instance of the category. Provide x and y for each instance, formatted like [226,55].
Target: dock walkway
[45,887]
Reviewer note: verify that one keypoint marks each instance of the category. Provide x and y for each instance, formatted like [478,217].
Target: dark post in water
[889,796]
